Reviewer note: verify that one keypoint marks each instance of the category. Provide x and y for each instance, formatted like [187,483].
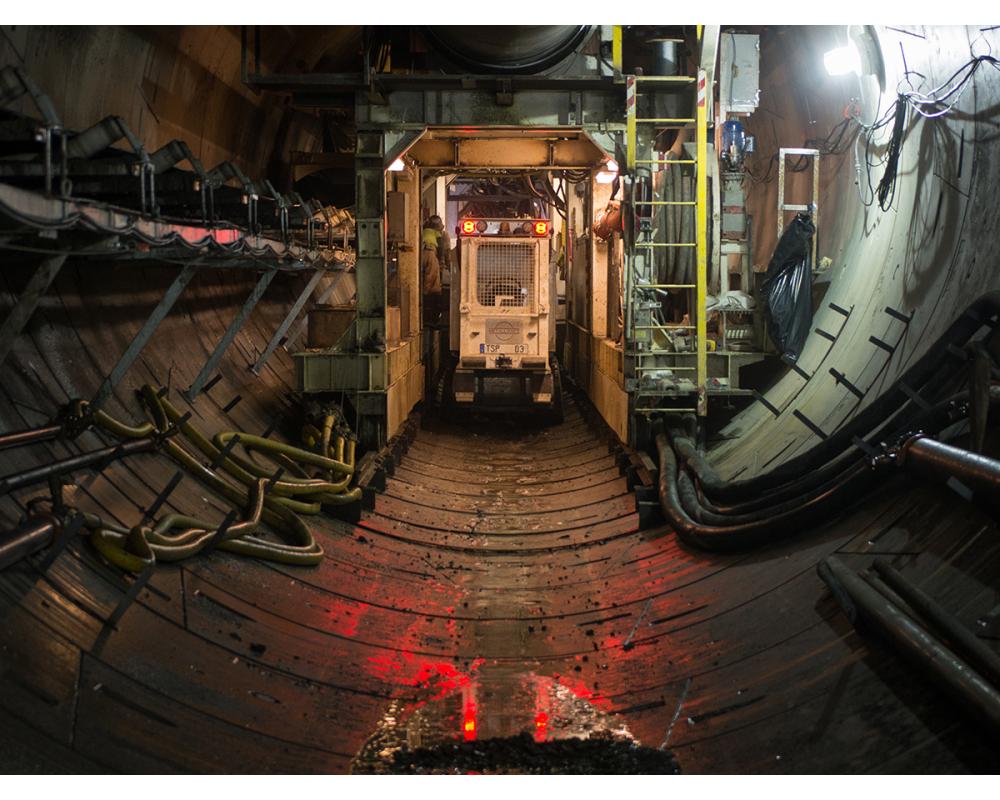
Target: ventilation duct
[510,49]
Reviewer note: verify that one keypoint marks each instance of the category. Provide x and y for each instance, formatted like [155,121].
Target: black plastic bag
[787,287]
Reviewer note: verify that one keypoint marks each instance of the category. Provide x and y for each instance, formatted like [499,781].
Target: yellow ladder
[699,288]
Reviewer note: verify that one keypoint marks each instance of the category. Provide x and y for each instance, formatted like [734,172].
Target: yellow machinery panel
[502,320]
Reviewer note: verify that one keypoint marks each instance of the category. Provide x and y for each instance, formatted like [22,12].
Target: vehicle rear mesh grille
[505,274]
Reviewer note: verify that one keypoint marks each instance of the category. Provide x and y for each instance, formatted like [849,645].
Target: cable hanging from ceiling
[933,104]
[938,102]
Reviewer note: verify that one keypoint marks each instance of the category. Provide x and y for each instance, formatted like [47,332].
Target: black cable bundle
[886,191]
[709,511]
[833,144]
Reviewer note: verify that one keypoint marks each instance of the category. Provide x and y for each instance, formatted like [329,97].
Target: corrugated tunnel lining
[515,546]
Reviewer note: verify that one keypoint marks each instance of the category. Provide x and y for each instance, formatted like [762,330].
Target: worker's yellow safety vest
[432,237]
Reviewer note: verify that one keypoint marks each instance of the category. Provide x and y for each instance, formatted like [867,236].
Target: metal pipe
[27,538]
[796,504]
[19,480]
[20,438]
[888,412]
[913,642]
[972,649]
[935,459]
[756,531]
[932,418]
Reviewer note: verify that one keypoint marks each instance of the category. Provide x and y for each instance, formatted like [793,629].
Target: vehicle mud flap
[444,391]
[557,413]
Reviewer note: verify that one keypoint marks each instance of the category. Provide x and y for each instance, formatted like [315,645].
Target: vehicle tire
[557,412]
[446,391]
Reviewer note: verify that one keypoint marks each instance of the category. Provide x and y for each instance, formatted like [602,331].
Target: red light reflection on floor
[343,617]
[470,710]
[469,724]
[541,726]
[581,690]
[407,670]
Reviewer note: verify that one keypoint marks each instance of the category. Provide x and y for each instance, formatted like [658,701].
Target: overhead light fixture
[843,60]
[608,172]
[397,166]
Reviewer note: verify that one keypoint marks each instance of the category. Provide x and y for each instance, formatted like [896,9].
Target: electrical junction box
[396,208]
[739,72]
[734,220]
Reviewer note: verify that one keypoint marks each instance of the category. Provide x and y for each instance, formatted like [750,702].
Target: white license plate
[504,349]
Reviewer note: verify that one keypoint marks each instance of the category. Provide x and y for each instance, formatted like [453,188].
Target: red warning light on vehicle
[504,227]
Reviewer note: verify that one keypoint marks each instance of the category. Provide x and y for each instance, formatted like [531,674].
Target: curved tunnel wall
[221,657]
[149,76]
[931,254]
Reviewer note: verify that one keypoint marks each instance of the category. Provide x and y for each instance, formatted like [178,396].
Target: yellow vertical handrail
[701,225]
[616,49]
[630,121]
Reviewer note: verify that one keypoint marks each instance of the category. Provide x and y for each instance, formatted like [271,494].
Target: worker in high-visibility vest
[435,253]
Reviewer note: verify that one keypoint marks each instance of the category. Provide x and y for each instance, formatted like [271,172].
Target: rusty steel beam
[26,304]
[145,334]
[293,313]
[227,338]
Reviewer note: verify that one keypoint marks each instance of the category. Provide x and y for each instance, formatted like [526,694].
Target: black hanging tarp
[787,287]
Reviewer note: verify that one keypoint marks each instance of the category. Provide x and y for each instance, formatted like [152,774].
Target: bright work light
[843,60]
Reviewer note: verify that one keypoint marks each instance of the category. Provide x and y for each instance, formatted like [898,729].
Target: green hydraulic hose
[274,503]
[325,491]
[164,411]
[142,546]
[305,551]
[297,454]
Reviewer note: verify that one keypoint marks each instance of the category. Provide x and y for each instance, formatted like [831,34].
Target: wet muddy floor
[499,610]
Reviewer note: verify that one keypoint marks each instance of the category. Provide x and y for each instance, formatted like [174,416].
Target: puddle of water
[499,719]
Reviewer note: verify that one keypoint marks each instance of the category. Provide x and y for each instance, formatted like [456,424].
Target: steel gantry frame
[389,107]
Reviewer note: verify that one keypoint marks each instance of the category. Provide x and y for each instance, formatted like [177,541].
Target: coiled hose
[267,501]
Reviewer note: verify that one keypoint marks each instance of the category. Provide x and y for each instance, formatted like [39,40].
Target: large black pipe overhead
[506,49]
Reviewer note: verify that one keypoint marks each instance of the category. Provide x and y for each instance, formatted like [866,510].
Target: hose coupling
[75,417]
[895,453]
